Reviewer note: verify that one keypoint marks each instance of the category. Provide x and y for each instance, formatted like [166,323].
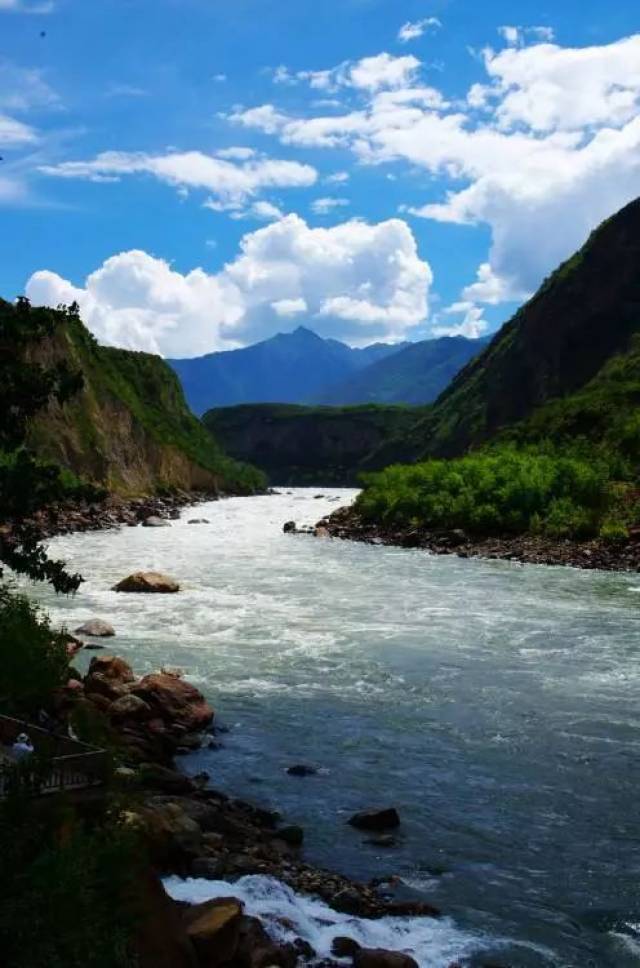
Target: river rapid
[495,705]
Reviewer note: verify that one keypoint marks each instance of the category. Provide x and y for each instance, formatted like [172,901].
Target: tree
[26,483]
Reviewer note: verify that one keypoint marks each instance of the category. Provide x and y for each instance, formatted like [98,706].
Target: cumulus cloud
[412,30]
[14,132]
[540,151]
[353,281]
[470,324]
[379,72]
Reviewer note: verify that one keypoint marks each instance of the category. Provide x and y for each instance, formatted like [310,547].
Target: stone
[321,532]
[172,836]
[149,582]
[153,521]
[380,958]
[198,521]
[255,949]
[213,928]
[301,769]
[160,939]
[159,777]
[385,819]
[129,707]
[291,835]
[175,701]
[208,868]
[343,947]
[289,527]
[348,901]
[385,840]
[97,628]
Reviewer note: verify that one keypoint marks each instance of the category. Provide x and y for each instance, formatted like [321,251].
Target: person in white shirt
[22,747]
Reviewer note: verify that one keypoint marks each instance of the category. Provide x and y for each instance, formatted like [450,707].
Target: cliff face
[129,428]
[307,445]
[586,312]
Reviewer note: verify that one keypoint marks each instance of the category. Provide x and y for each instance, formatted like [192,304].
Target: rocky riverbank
[193,830]
[346,523]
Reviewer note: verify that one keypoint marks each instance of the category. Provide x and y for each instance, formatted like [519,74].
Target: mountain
[582,316]
[288,368]
[129,427]
[307,445]
[416,374]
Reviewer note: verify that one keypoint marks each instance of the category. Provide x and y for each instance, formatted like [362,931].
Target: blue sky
[202,173]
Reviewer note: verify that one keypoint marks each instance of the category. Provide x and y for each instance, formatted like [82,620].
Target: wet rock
[149,582]
[343,947]
[291,835]
[385,819]
[213,928]
[96,628]
[289,527]
[380,958]
[348,901]
[94,646]
[320,532]
[155,522]
[198,521]
[208,868]
[174,840]
[111,666]
[158,777]
[255,949]
[301,769]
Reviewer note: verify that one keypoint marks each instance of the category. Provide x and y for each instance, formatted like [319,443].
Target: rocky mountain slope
[288,368]
[416,374]
[308,445]
[129,427]
[584,314]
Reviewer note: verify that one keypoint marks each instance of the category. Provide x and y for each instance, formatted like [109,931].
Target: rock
[255,948]
[289,527]
[112,667]
[94,646]
[159,777]
[153,521]
[160,939]
[317,497]
[206,867]
[385,819]
[379,958]
[97,628]
[129,707]
[301,769]
[174,839]
[321,532]
[343,947]
[291,835]
[147,581]
[348,901]
[199,521]
[175,701]
[214,928]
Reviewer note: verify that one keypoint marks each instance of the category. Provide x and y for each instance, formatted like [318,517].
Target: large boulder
[175,701]
[385,819]
[97,628]
[129,707]
[213,928]
[147,581]
[160,938]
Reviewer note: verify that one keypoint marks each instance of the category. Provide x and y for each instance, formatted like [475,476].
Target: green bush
[33,658]
[492,492]
[614,532]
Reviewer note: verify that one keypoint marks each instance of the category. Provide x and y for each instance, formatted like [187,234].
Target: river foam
[287,915]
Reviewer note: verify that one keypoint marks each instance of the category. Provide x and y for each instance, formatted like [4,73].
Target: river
[495,705]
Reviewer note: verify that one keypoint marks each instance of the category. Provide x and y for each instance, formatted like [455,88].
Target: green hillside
[129,427]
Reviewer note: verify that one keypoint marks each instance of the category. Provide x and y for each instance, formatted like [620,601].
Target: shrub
[492,492]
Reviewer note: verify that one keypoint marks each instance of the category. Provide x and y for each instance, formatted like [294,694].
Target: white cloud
[492,289]
[472,324]
[236,153]
[384,71]
[512,35]
[231,184]
[516,36]
[541,152]
[22,89]
[323,206]
[289,307]
[14,132]
[261,210]
[412,30]
[337,178]
[354,281]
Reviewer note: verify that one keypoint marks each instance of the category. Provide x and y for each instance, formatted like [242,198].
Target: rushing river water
[495,705]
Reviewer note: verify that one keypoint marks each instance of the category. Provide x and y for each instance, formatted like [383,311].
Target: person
[22,747]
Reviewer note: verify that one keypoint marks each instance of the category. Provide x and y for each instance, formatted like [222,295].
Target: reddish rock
[175,701]
[149,582]
[213,929]
[113,667]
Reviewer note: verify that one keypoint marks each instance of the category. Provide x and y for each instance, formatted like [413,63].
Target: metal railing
[70,764]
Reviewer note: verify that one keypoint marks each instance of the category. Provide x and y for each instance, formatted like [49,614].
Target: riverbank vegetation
[501,491]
